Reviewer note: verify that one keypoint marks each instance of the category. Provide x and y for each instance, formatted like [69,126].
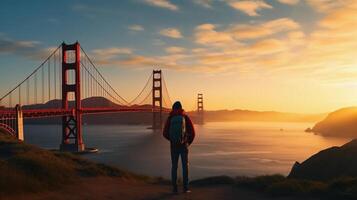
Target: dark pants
[176,152]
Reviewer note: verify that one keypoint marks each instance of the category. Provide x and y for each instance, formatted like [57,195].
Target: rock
[308,130]
[328,164]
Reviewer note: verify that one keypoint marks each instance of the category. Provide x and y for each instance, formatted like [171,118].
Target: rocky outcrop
[328,164]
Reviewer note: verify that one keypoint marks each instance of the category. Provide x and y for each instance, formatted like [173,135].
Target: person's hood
[177,112]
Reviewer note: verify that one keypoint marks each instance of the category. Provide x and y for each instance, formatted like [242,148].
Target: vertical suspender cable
[27,91]
[35,88]
[55,74]
[10,100]
[19,95]
[49,79]
[43,83]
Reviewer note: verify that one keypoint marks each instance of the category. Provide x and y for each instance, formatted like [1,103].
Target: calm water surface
[230,148]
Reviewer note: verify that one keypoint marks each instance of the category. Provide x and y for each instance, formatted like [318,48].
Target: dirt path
[104,188]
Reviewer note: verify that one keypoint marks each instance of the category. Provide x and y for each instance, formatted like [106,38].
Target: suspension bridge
[61,86]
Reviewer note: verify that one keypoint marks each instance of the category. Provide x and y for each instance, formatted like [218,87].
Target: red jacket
[190,130]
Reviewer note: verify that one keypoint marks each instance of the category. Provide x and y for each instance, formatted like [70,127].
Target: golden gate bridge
[63,82]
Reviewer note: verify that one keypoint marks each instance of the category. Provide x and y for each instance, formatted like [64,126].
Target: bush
[292,187]
[259,182]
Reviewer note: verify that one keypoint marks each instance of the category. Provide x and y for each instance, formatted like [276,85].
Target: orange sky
[282,55]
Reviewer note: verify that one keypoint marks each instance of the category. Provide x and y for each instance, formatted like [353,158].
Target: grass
[27,168]
[280,186]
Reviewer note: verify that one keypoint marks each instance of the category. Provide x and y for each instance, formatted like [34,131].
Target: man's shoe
[186,190]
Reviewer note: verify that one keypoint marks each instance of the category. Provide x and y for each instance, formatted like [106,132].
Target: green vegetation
[27,168]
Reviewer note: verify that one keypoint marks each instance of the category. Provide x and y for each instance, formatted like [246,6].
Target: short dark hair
[177,106]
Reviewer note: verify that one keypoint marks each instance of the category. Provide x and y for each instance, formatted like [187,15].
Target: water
[224,148]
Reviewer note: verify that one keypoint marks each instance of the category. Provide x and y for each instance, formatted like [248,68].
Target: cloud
[289,2]
[136,27]
[250,8]
[280,46]
[171,32]
[235,35]
[9,46]
[163,4]
[268,46]
[328,5]
[204,3]
[174,50]
[207,35]
[26,48]
[109,53]
[253,31]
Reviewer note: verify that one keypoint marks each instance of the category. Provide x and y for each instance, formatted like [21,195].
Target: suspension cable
[90,61]
[146,84]
[98,84]
[41,65]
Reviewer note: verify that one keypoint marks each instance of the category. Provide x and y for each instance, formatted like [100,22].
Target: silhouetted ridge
[329,164]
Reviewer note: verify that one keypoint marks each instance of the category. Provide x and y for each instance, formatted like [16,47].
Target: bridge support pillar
[156,100]
[19,123]
[71,125]
[200,111]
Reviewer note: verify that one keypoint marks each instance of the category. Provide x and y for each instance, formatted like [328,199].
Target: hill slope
[250,115]
[340,123]
[27,168]
[328,164]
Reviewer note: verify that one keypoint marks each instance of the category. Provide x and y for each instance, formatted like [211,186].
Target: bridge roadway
[56,112]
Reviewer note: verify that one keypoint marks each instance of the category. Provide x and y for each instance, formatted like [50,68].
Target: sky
[281,55]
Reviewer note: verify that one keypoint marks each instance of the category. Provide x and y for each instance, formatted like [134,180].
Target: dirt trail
[104,188]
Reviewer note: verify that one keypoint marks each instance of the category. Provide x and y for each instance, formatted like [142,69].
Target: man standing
[180,132]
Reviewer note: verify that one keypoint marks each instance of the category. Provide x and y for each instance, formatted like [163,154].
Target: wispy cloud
[204,3]
[162,4]
[136,27]
[25,48]
[253,31]
[206,34]
[171,32]
[174,49]
[251,7]
[289,2]
[328,5]
[109,53]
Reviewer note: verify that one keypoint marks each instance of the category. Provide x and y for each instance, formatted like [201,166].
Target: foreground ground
[31,173]
[103,188]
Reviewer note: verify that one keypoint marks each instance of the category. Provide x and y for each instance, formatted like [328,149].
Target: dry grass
[27,168]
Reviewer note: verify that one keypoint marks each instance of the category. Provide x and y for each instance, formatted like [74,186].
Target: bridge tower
[19,125]
[157,100]
[200,110]
[71,125]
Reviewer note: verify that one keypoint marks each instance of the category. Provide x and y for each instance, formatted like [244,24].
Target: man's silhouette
[180,132]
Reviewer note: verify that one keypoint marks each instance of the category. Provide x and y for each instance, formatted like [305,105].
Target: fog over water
[229,148]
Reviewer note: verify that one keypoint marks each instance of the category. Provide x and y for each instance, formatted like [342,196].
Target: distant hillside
[248,115]
[340,123]
[108,118]
[146,118]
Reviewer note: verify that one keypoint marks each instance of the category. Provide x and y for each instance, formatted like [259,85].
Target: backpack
[177,131]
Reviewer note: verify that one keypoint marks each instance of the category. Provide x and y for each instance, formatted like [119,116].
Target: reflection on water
[231,148]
